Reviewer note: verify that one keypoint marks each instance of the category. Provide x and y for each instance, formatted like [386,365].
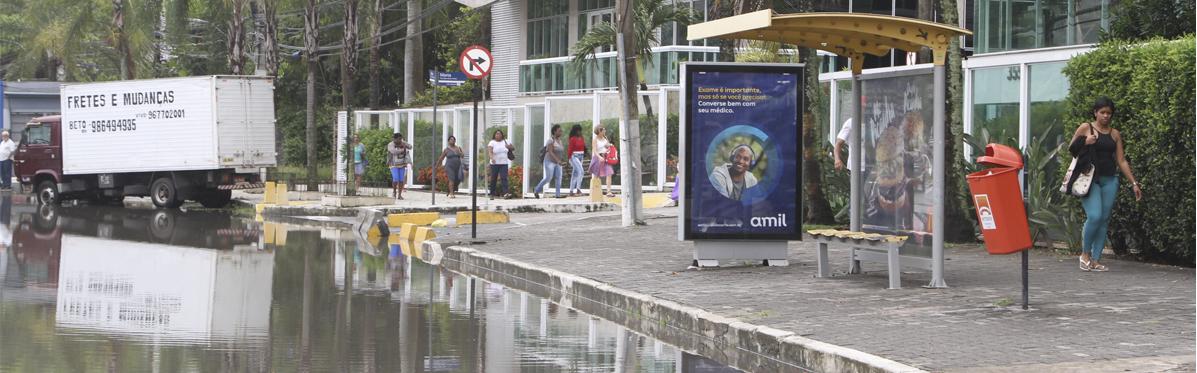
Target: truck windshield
[36,135]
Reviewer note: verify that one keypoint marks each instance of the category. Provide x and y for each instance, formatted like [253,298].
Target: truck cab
[38,160]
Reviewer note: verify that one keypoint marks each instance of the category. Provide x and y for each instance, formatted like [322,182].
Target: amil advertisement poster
[743,152]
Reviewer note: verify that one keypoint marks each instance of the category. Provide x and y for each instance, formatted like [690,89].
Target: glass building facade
[1006,25]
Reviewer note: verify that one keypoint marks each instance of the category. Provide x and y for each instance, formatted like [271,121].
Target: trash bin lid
[998,155]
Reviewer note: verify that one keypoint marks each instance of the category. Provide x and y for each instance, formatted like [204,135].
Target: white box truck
[174,140]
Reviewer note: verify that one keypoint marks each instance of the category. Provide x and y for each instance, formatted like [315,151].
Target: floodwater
[140,290]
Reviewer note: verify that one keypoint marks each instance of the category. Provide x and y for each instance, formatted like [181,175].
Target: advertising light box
[743,152]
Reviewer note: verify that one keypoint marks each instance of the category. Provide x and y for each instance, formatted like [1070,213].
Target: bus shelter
[854,35]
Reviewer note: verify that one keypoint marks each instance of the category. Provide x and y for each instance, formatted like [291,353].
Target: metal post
[1025,286]
[854,155]
[436,86]
[474,163]
[937,226]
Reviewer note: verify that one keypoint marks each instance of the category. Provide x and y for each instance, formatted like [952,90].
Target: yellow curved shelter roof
[846,34]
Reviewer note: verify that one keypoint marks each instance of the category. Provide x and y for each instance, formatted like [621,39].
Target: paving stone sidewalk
[1137,317]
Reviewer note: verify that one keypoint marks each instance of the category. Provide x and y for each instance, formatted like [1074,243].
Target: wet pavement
[133,289]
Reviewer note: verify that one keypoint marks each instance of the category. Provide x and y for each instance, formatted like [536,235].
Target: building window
[995,102]
[1048,91]
[1004,25]
[547,29]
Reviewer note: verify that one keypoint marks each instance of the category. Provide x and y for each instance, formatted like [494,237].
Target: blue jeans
[6,173]
[498,180]
[551,170]
[1097,205]
[575,174]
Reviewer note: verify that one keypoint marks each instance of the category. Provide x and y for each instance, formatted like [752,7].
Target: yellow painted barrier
[648,200]
[407,230]
[417,218]
[269,195]
[484,217]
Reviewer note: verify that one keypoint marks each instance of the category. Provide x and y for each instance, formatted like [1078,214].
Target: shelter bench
[871,247]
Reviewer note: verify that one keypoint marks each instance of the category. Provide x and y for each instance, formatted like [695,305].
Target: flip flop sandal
[1100,268]
[1084,265]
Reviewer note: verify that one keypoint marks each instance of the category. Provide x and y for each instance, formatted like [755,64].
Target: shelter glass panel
[896,138]
[672,136]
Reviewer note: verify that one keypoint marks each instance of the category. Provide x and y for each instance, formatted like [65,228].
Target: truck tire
[164,194]
[47,193]
[215,198]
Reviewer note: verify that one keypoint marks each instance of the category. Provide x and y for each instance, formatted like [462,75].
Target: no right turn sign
[475,62]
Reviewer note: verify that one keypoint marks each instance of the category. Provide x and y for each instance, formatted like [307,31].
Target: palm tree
[375,59]
[270,37]
[650,15]
[72,35]
[236,43]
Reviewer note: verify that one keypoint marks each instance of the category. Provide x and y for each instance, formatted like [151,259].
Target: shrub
[376,141]
[442,178]
[1152,85]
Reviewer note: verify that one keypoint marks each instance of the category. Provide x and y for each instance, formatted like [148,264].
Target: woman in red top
[577,150]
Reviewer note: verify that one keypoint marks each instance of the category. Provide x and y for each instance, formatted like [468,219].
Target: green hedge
[1152,85]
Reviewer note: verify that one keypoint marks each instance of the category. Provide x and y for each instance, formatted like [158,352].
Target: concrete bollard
[407,231]
[596,189]
[280,195]
[268,196]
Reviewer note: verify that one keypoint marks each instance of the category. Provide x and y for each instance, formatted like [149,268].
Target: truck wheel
[215,198]
[162,225]
[47,193]
[164,194]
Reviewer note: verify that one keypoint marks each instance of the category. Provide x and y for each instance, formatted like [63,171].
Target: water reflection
[89,288]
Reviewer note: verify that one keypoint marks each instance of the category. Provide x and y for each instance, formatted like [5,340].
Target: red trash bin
[997,198]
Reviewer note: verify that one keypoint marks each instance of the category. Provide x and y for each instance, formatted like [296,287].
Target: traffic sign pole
[476,62]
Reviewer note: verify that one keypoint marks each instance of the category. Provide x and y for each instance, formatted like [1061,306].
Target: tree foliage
[1145,19]
[1152,85]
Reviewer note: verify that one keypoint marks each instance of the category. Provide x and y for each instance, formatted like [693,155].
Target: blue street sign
[448,79]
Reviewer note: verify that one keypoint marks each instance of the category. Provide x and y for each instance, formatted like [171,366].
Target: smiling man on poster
[743,149]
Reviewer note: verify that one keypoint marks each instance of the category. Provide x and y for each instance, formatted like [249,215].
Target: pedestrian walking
[598,162]
[7,148]
[552,162]
[1102,146]
[397,160]
[359,162]
[451,157]
[499,152]
[577,150]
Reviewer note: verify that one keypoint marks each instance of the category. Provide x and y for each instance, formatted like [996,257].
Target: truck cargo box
[174,124]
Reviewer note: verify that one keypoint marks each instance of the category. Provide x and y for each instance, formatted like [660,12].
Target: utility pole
[629,139]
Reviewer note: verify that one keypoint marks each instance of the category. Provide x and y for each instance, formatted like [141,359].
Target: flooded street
[130,290]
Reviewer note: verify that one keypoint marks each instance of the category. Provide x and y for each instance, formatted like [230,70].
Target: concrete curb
[317,210]
[727,340]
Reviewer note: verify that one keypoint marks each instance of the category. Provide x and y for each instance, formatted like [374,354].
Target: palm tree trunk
[349,54]
[630,132]
[818,209]
[413,53]
[311,35]
[376,54]
[955,209]
[348,74]
[128,68]
[236,38]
